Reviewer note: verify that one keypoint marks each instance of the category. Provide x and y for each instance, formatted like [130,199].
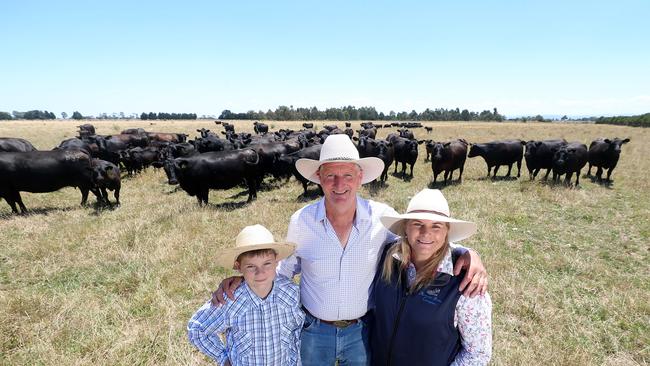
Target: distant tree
[144,116]
[464,115]
[64,115]
[539,118]
[564,118]
[77,115]
[5,116]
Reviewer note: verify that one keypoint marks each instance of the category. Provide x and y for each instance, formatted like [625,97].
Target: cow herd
[95,163]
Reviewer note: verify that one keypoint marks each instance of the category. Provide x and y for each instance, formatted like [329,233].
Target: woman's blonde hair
[423,275]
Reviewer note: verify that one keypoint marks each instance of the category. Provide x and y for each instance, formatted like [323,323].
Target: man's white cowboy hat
[340,149]
[253,237]
[430,204]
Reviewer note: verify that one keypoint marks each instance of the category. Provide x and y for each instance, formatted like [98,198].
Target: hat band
[428,211]
[342,158]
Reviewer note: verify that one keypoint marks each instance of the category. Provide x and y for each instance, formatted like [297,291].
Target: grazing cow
[447,157]
[12,144]
[260,128]
[137,158]
[539,155]
[331,127]
[604,154]
[106,175]
[44,171]
[406,152]
[308,125]
[197,174]
[428,129]
[569,159]
[497,153]
[348,124]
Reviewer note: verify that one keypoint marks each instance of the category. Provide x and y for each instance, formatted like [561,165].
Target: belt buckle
[341,323]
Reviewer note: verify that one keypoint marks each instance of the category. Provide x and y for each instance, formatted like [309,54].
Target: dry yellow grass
[569,270]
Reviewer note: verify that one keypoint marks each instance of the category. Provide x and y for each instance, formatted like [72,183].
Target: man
[339,241]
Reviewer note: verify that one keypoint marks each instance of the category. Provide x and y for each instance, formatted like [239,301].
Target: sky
[550,57]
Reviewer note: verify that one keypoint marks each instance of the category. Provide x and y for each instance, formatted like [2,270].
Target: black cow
[428,129]
[604,154]
[497,153]
[406,152]
[12,144]
[385,151]
[78,144]
[86,130]
[134,131]
[368,132]
[228,127]
[44,171]
[286,164]
[212,142]
[403,132]
[447,157]
[106,175]
[137,158]
[569,159]
[260,128]
[197,174]
[539,155]
[308,125]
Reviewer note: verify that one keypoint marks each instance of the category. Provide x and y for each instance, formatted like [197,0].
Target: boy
[262,324]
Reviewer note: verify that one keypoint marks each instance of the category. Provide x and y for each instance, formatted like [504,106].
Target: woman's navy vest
[418,328]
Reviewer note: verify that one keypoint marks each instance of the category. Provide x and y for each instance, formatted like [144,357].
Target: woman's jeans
[323,344]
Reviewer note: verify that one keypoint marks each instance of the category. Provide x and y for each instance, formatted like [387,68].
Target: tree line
[642,120]
[351,113]
[163,115]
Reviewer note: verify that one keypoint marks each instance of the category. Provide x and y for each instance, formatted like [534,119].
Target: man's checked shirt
[257,332]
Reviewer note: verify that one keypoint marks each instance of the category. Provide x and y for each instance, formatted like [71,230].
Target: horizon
[579,59]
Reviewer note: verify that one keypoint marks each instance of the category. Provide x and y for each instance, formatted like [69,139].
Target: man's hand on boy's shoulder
[227,286]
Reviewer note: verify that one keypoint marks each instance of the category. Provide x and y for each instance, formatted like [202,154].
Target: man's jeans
[323,344]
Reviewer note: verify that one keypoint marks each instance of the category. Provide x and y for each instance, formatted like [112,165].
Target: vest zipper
[395,325]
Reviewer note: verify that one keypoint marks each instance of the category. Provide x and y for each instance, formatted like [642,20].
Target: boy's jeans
[323,344]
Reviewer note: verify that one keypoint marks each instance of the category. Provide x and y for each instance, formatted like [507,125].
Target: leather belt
[336,323]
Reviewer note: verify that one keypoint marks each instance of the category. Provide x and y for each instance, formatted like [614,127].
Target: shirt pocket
[241,349]
[290,345]
[323,270]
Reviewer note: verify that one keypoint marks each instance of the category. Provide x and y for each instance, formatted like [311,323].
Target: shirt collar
[256,299]
[362,211]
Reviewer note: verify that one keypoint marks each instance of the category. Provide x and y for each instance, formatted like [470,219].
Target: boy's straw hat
[251,238]
[340,149]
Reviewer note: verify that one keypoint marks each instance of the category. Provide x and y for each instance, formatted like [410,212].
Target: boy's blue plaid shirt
[258,332]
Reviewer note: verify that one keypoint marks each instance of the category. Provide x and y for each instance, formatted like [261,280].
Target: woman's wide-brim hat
[340,149]
[251,238]
[430,204]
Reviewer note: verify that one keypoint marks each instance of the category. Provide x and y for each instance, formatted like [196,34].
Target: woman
[420,317]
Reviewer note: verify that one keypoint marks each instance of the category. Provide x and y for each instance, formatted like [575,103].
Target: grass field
[569,272]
